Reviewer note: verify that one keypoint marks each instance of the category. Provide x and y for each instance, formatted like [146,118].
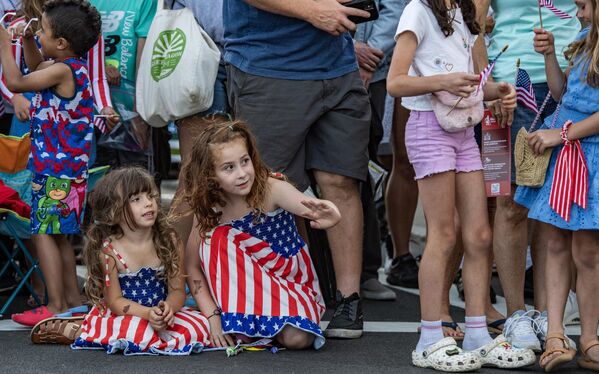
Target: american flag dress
[134,335]
[261,274]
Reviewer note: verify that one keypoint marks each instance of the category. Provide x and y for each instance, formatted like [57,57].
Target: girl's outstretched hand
[217,337]
[541,140]
[322,214]
[544,42]
[459,84]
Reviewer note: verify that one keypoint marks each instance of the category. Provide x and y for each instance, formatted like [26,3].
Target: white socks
[430,333]
[476,334]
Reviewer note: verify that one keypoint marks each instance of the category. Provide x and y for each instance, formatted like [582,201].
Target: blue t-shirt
[275,46]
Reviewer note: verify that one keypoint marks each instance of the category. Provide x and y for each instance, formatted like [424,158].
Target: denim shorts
[432,150]
[220,103]
[524,117]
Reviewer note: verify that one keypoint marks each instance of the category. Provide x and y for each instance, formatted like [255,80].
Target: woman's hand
[217,337]
[544,42]
[112,117]
[459,84]
[508,102]
[21,106]
[113,75]
[322,214]
[541,140]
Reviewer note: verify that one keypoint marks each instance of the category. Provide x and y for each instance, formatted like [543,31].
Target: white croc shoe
[501,354]
[445,355]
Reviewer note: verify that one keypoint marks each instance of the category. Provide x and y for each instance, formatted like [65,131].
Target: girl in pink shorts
[433,54]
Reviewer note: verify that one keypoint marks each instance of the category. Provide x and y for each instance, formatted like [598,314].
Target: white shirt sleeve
[413,19]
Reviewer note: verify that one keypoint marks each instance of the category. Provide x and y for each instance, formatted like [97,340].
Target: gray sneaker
[372,289]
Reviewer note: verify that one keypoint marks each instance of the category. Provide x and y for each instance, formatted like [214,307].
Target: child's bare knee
[296,339]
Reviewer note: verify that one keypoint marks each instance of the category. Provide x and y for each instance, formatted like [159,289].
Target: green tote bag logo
[167,52]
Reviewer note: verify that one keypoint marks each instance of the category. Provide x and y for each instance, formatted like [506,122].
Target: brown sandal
[56,330]
[584,361]
[567,352]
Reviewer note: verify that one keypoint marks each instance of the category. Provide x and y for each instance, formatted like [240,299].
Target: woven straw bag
[530,167]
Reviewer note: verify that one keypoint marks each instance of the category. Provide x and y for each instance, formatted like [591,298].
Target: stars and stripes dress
[261,274]
[579,102]
[134,335]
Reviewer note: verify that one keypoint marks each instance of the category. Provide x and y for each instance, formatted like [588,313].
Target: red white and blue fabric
[102,329]
[570,179]
[261,274]
[62,129]
[549,5]
[525,93]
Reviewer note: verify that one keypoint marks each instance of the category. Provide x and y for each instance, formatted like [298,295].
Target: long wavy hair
[109,202]
[445,18]
[586,50]
[32,9]
[201,191]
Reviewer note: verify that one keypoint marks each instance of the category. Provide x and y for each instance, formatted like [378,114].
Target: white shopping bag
[177,70]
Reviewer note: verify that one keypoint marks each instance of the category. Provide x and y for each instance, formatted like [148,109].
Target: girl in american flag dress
[135,275]
[244,250]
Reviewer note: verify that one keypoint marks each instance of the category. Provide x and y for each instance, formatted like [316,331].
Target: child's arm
[198,285]
[544,44]
[322,214]
[113,295]
[176,292]
[400,84]
[32,54]
[54,75]
[541,140]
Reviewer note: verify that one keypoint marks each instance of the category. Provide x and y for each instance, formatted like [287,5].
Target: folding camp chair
[17,227]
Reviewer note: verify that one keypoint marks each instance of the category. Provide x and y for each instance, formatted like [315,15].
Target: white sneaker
[540,326]
[571,313]
[445,355]
[519,330]
[501,354]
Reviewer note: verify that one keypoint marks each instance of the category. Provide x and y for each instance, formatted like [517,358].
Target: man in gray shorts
[294,79]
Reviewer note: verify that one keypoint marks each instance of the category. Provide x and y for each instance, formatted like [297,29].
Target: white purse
[177,70]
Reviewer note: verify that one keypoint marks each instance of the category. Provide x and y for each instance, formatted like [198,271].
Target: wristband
[217,312]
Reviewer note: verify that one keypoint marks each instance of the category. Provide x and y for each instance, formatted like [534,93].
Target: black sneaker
[403,272]
[347,321]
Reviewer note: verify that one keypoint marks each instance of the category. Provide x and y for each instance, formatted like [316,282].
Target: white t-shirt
[435,54]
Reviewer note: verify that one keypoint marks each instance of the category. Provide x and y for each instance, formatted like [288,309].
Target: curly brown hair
[201,191]
[587,49]
[109,202]
[32,9]
[77,21]
[445,19]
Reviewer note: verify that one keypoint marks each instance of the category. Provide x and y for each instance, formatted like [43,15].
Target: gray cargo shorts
[304,125]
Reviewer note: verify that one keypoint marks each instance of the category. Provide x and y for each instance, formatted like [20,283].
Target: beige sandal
[584,361]
[56,330]
[567,352]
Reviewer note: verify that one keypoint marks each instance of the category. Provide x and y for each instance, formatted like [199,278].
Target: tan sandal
[584,361]
[567,352]
[56,330]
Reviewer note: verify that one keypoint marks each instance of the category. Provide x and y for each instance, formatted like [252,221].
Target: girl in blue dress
[568,201]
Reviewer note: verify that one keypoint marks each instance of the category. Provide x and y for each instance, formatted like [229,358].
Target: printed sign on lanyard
[496,156]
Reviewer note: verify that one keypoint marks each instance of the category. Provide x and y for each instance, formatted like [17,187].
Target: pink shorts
[432,150]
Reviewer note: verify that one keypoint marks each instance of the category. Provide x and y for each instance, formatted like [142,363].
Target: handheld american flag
[549,5]
[524,91]
[486,73]
[100,123]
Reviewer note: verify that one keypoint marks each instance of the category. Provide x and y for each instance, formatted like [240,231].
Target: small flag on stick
[549,5]
[525,93]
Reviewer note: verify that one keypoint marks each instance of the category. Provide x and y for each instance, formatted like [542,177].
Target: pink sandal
[31,317]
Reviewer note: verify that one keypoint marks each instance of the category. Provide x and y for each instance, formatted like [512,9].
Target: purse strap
[542,109]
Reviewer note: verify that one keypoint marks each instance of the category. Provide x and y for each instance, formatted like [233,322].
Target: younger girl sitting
[135,276]
[245,241]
